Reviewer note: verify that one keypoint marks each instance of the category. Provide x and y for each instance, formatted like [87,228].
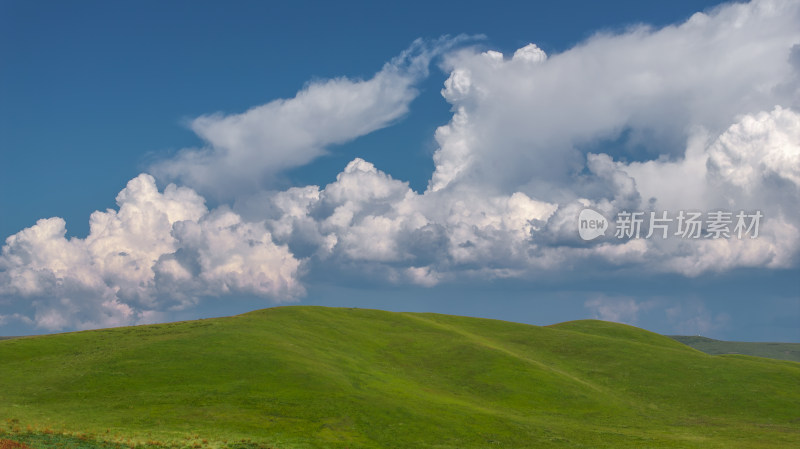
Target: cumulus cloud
[514,167]
[158,251]
[750,166]
[226,255]
[521,122]
[368,219]
[701,108]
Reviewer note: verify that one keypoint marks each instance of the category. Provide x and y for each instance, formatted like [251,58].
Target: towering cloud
[526,121]
[160,251]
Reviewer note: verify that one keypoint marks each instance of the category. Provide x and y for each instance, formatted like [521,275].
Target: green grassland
[783,351]
[315,377]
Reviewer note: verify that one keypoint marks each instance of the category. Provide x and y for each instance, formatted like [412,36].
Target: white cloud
[230,256]
[719,82]
[750,166]
[518,121]
[510,176]
[677,316]
[5,319]
[124,245]
[367,217]
[695,319]
[756,148]
[514,165]
[157,251]
[245,150]
[617,309]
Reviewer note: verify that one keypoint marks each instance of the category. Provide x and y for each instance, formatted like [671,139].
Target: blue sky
[95,94]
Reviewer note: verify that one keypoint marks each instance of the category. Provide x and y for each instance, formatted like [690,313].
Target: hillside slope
[315,377]
[782,351]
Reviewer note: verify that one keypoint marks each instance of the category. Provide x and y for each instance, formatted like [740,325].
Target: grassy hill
[783,351]
[315,377]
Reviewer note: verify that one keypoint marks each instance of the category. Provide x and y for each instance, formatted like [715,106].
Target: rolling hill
[315,377]
[782,351]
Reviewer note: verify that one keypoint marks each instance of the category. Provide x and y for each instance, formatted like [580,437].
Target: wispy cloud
[244,151]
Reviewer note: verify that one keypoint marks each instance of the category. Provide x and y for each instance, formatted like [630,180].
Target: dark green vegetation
[782,351]
[50,439]
[313,377]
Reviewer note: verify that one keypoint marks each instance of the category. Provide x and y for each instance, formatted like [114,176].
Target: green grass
[315,377]
[782,351]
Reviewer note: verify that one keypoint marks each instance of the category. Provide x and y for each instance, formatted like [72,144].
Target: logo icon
[591,224]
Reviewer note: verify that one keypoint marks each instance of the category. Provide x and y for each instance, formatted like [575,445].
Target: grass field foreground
[315,377]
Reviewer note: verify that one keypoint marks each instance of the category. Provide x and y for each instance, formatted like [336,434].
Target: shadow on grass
[54,440]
